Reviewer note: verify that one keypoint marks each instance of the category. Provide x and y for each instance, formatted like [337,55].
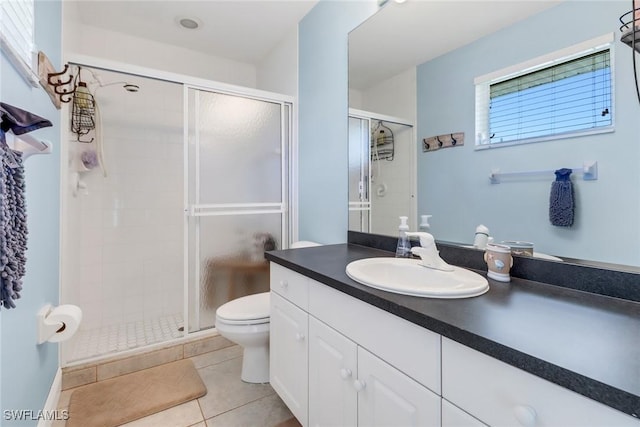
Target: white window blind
[571,96]
[17,35]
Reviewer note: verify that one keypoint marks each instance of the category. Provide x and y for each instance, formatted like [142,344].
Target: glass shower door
[237,193]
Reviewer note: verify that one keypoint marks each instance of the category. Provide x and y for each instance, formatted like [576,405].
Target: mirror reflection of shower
[381,161]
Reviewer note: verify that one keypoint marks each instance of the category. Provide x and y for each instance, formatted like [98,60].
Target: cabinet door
[288,358]
[387,397]
[332,368]
[455,417]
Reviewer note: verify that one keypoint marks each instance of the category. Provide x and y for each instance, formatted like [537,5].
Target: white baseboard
[52,400]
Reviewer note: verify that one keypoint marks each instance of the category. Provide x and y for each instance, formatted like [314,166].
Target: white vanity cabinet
[455,417]
[387,397]
[349,386]
[288,361]
[333,368]
[338,361]
[502,395]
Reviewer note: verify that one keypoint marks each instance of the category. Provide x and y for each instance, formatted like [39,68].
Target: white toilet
[245,321]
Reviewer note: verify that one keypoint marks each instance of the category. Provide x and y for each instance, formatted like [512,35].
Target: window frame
[483,84]
[26,67]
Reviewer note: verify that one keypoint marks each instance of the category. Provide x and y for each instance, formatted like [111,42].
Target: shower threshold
[116,338]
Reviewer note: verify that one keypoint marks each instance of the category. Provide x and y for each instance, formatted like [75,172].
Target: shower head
[129,87]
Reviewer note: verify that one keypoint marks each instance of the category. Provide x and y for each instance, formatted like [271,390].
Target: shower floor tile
[114,338]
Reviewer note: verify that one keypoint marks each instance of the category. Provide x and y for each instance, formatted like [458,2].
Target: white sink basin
[408,277]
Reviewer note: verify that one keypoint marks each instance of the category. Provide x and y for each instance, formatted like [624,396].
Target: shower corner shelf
[628,32]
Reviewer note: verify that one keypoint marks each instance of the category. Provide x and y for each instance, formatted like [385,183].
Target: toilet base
[255,365]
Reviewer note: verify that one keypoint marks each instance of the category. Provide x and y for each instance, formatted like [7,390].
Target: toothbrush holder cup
[499,261]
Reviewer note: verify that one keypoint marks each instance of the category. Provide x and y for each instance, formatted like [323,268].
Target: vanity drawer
[499,394]
[411,349]
[290,285]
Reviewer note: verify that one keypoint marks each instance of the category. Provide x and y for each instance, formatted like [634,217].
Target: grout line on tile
[201,412]
[238,407]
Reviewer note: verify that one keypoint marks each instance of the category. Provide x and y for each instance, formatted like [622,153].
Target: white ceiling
[401,36]
[241,30]
[397,37]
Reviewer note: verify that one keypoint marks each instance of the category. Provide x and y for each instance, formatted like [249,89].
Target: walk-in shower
[193,189]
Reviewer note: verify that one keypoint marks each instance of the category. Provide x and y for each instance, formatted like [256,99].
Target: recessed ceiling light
[188,23]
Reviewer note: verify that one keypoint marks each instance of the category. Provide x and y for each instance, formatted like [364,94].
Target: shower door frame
[197,209]
[364,207]
[290,202]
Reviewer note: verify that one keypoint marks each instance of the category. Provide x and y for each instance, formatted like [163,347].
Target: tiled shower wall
[126,235]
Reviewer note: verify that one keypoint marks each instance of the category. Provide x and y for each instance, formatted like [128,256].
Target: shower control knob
[299,336]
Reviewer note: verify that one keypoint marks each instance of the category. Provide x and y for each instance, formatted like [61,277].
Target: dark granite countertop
[582,341]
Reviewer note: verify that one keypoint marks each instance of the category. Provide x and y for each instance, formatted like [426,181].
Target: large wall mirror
[418,61]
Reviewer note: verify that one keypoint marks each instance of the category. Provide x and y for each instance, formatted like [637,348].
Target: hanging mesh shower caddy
[382,147]
[83,111]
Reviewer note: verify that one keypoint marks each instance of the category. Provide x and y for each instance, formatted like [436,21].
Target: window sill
[608,129]
[26,72]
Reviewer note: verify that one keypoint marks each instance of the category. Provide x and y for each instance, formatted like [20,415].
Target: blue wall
[27,369]
[323,112]
[453,183]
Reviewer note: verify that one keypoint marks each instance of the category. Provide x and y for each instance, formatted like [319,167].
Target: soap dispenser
[482,237]
[403,250]
[424,222]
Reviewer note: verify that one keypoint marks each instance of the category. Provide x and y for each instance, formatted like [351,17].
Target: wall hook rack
[443,141]
[589,171]
[63,89]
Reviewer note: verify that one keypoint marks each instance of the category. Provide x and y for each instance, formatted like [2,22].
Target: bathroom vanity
[525,353]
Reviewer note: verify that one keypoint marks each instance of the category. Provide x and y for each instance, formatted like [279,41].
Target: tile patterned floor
[110,339]
[229,402]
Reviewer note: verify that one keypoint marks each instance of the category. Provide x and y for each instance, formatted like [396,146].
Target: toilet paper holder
[54,329]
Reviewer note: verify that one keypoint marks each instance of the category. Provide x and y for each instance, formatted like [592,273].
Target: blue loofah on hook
[561,201]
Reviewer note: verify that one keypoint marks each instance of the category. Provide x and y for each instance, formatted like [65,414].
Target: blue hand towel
[561,204]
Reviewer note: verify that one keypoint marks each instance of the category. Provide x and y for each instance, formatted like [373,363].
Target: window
[17,36]
[552,97]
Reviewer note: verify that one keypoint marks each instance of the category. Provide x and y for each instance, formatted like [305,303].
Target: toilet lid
[251,307]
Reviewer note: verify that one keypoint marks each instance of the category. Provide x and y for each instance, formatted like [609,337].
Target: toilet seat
[248,310]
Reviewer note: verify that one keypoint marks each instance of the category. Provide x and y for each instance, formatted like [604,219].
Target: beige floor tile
[59,423]
[225,389]
[217,356]
[202,424]
[183,415]
[77,377]
[268,411]
[63,400]
[139,362]
[206,345]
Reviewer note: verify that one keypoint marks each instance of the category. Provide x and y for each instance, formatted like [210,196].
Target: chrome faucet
[428,252]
